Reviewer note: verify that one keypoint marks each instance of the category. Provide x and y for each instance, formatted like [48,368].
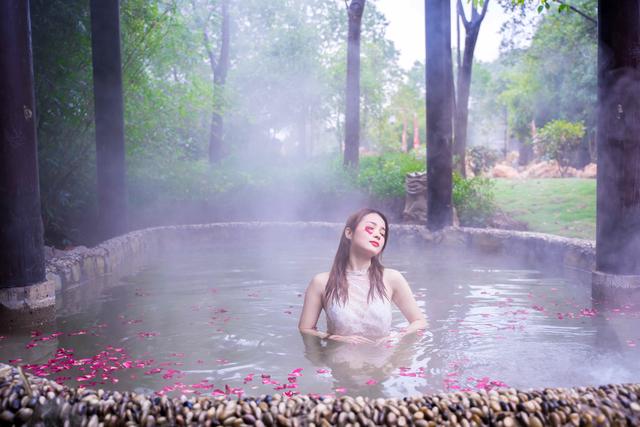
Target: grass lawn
[562,206]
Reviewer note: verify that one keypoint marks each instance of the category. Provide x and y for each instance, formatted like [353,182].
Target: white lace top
[357,317]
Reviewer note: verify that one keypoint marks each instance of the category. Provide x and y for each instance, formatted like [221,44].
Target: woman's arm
[312,307]
[403,298]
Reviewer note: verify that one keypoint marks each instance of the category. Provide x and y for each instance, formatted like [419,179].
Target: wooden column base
[31,297]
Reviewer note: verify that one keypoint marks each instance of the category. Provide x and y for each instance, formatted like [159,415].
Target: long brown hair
[337,286]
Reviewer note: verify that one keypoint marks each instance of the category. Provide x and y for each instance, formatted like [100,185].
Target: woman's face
[369,235]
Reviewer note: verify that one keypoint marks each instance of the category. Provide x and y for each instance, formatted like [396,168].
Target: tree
[439,84]
[109,117]
[407,102]
[558,139]
[472,30]
[553,78]
[219,69]
[355,8]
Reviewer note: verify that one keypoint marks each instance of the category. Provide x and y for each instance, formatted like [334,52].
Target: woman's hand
[392,338]
[352,339]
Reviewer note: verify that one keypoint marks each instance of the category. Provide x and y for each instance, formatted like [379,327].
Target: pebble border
[29,400]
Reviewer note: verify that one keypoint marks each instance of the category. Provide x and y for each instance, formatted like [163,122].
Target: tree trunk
[618,138]
[506,132]
[21,239]
[416,133]
[472,29]
[302,134]
[439,81]
[352,111]
[220,69]
[109,116]
[404,134]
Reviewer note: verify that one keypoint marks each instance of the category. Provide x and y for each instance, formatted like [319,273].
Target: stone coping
[125,252]
[33,400]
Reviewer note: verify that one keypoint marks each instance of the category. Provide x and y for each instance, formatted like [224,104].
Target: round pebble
[581,406]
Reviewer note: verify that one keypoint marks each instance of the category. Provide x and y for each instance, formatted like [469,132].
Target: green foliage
[474,200]
[407,103]
[482,158]
[553,77]
[236,182]
[283,105]
[546,4]
[284,95]
[383,176]
[558,139]
[64,102]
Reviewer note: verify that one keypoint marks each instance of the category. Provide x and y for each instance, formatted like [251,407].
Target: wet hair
[337,286]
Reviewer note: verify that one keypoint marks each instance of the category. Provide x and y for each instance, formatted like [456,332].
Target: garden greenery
[474,200]
[558,140]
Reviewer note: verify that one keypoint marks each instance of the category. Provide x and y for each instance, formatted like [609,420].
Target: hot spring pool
[221,318]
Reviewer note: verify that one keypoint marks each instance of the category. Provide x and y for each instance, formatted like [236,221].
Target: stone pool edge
[124,252]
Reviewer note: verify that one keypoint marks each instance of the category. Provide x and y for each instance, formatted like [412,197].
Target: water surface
[222,318]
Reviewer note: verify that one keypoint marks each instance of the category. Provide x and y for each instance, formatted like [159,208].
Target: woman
[357,293]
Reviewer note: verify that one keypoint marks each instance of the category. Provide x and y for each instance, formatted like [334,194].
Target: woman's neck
[358,263]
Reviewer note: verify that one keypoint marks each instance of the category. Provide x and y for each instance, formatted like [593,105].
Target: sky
[406,29]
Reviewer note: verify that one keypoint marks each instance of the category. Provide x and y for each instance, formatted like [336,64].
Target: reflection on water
[222,319]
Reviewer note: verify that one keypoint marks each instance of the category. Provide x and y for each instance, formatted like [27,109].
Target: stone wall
[123,254]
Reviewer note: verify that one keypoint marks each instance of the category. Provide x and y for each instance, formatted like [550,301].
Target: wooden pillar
[21,235]
[618,145]
[109,117]
[26,297]
[439,80]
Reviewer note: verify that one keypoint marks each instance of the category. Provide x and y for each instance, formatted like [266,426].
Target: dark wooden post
[618,144]
[21,236]
[352,107]
[109,112]
[439,80]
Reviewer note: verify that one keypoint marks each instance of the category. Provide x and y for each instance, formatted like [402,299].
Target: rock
[25,414]
[512,158]
[549,169]
[589,171]
[504,171]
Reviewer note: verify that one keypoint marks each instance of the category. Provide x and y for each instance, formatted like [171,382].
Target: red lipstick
[374,243]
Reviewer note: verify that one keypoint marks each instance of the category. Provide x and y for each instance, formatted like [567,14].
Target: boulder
[504,171]
[512,158]
[589,171]
[546,169]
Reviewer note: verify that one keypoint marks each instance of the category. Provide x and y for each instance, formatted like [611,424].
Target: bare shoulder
[393,278]
[392,275]
[319,281]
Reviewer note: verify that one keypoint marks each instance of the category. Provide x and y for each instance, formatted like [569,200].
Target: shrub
[474,200]
[383,176]
[481,158]
[558,139]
